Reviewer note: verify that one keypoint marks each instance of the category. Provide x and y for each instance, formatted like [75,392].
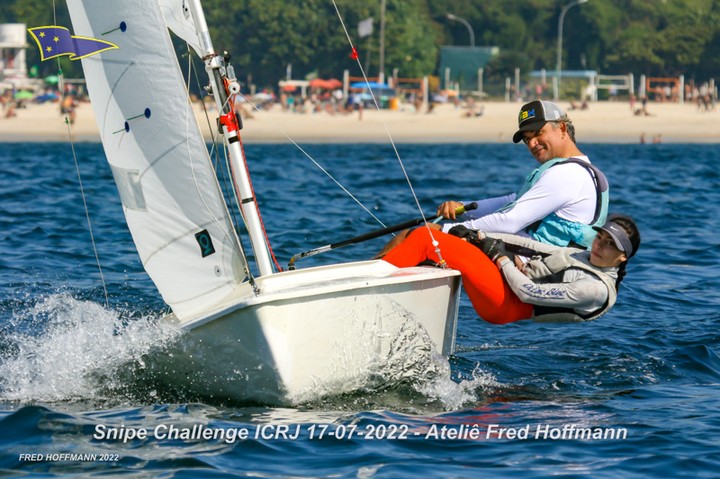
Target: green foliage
[653,37]
[410,44]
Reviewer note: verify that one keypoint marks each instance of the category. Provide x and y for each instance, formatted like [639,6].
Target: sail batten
[172,202]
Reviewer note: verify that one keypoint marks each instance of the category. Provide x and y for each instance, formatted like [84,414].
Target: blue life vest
[561,232]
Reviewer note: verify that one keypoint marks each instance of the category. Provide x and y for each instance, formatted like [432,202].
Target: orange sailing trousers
[489,294]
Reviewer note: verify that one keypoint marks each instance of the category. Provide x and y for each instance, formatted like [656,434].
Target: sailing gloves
[464,233]
[493,248]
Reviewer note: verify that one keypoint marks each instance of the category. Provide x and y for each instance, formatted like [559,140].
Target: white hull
[317,331]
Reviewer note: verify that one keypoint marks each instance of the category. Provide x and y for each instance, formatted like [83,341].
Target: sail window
[129,188]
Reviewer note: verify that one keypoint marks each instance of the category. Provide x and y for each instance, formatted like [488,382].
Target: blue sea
[645,379]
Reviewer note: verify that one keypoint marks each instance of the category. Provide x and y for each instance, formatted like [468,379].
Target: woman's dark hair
[626,223]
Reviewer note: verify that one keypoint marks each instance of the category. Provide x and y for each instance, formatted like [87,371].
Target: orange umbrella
[334,84]
[317,83]
[330,84]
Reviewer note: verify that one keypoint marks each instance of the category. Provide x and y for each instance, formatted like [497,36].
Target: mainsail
[179,19]
[171,198]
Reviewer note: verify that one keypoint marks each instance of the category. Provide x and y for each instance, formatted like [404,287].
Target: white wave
[64,349]
[454,395]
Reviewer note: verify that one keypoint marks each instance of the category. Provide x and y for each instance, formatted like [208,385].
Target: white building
[13,68]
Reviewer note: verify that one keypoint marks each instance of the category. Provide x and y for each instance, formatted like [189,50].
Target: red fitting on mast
[230,121]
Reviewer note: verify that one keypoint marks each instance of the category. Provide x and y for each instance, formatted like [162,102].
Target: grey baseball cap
[534,115]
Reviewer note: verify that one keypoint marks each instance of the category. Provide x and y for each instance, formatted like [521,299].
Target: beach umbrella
[24,95]
[317,83]
[373,84]
[330,84]
[334,84]
[47,97]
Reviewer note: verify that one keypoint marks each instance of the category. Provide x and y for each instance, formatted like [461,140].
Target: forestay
[172,202]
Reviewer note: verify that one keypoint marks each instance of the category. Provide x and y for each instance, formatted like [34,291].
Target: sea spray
[62,348]
[454,395]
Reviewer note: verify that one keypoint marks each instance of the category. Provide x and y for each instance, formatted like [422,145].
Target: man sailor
[558,203]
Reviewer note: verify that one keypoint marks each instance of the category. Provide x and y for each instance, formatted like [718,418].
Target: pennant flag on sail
[55,41]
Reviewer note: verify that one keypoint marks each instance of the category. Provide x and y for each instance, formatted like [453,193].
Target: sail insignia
[205,241]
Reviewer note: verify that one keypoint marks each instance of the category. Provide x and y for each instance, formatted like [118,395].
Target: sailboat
[250,331]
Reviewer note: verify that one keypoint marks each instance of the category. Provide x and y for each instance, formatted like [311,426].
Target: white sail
[179,19]
[172,202]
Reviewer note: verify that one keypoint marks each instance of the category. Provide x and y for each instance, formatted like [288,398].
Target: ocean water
[645,379]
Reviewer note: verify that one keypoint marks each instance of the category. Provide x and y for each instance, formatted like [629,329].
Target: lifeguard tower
[13,67]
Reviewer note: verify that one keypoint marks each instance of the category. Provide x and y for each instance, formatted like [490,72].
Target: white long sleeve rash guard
[566,189]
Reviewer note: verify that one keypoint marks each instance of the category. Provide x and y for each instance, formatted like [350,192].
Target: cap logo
[524,115]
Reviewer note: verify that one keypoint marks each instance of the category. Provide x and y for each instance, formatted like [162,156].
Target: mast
[214,65]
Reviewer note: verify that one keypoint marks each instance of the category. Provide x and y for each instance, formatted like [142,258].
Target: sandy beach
[602,122]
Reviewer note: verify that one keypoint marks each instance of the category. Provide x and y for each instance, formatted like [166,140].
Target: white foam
[67,349]
[454,395]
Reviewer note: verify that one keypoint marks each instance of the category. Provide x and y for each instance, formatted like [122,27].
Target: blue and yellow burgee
[55,41]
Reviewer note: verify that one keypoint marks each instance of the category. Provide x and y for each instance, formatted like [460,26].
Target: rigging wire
[61,85]
[252,190]
[231,101]
[215,151]
[87,211]
[309,157]
[189,113]
[214,132]
[354,55]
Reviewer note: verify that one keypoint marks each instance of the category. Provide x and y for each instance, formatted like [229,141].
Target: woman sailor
[555,284]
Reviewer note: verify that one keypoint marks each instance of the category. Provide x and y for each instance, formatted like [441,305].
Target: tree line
[652,37]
